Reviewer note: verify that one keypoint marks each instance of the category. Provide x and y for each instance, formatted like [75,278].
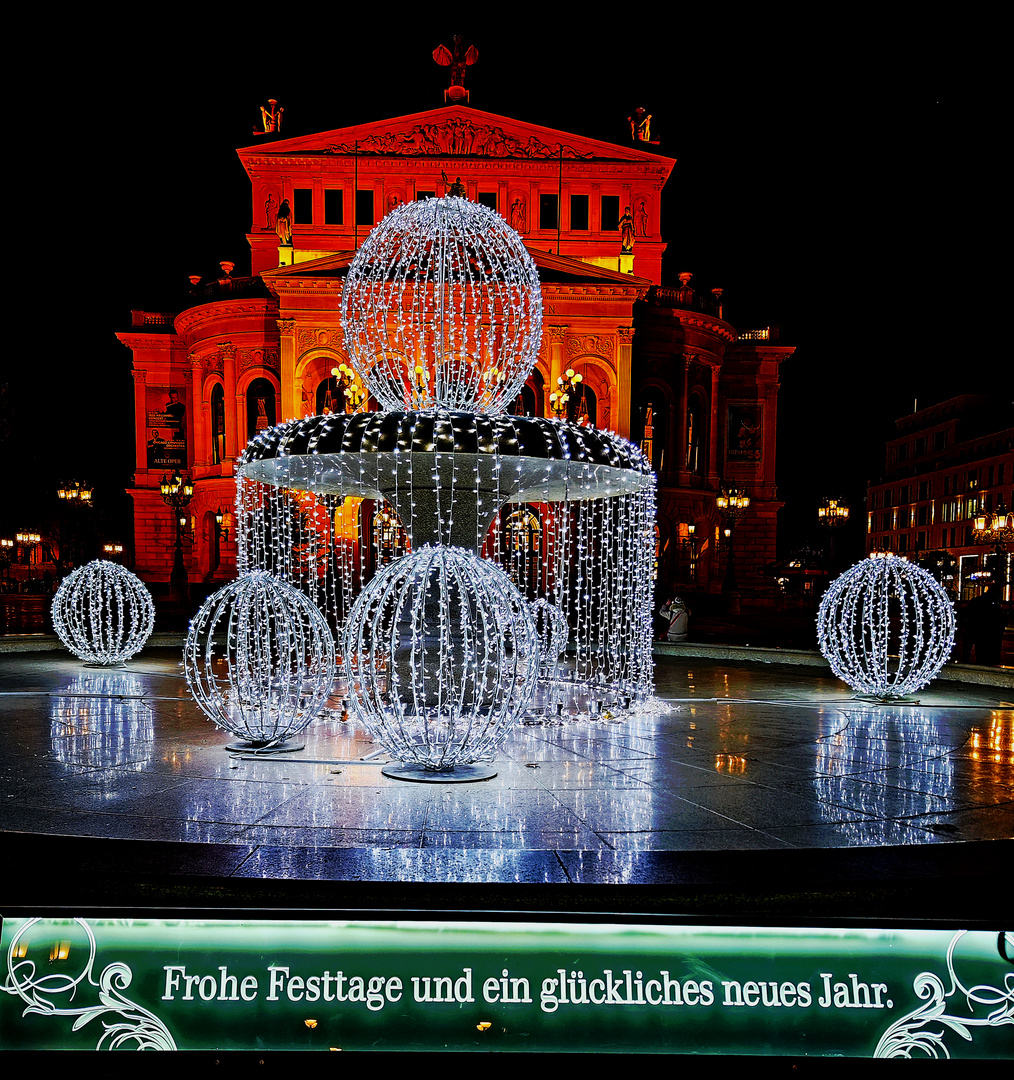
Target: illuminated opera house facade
[658,365]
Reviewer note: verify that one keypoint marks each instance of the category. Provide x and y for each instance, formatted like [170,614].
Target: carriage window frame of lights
[441,313]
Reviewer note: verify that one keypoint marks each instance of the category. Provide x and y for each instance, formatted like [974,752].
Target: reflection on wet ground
[749,757]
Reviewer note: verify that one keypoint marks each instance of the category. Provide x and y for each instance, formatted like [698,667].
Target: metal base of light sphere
[103,613]
[419,774]
[260,660]
[259,746]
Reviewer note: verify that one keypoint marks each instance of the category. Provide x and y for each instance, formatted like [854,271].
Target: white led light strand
[103,613]
[886,627]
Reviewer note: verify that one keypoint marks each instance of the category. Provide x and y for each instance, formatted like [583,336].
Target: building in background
[658,365]
[947,490]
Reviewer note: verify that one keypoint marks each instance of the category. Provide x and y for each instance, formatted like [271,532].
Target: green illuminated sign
[429,985]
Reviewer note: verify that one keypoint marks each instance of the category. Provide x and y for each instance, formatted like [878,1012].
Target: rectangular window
[334,206]
[924,489]
[610,213]
[940,440]
[920,541]
[989,479]
[420,195]
[887,523]
[579,213]
[549,210]
[364,207]
[906,494]
[488,198]
[920,446]
[302,206]
[903,542]
[887,498]
[923,514]
[999,473]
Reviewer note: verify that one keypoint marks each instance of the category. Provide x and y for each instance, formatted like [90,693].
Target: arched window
[260,407]
[524,403]
[217,424]
[522,546]
[583,407]
[651,427]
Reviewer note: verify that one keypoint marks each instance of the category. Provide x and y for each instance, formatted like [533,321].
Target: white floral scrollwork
[136,1028]
[920,1033]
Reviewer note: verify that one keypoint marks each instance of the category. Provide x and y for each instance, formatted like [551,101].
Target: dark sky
[836,183]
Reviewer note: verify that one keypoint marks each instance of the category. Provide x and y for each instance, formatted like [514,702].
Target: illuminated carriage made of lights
[441,314]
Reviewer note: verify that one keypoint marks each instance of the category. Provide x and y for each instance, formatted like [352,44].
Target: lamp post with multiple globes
[832,514]
[732,506]
[176,494]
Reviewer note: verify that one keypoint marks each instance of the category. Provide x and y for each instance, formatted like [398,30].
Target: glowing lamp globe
[441,657]
[103,613]
[886,627]
[260,659]
[442,308]
[553,631]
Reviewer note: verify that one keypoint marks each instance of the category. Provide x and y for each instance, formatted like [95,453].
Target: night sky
[841,185]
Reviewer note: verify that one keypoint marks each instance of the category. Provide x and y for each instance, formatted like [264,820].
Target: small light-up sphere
[442,307]
[441,656]
[886,627]
[260,659]
[103,613]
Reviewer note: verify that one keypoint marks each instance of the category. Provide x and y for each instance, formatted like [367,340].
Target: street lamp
[347,387]
[177,493]
[832,513]
[75,494]
[995,528]
[29,540]
[568,384]
[732,506]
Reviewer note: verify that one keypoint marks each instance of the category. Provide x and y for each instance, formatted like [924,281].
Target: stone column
[232,444]
[621,419]
[288,406]
[713,440]
[201,409]
[141,426]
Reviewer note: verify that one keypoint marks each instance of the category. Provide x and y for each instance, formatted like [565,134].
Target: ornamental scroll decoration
[125,1024]
[266,358]
[597,344]
[456,137]
[321,337]
[920,1033]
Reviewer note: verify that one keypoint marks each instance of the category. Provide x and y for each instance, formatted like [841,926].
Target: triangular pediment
[452,131]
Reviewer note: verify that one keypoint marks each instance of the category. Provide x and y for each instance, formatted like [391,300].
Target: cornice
[187,320]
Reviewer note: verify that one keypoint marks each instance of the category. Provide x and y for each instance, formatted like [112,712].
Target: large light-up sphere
[551,626]
[103,613]
[441,656]
[260,659]
[886,627]
[442,307]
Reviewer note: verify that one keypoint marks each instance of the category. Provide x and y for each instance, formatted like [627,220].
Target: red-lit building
[659,365]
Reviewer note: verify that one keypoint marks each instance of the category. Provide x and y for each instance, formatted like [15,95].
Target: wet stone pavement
[749,758]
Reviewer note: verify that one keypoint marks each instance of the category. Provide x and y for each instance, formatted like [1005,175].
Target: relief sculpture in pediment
[456,137]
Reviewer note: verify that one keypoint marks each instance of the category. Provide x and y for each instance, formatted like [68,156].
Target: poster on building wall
[166,427]
[745,432]
[529,985]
